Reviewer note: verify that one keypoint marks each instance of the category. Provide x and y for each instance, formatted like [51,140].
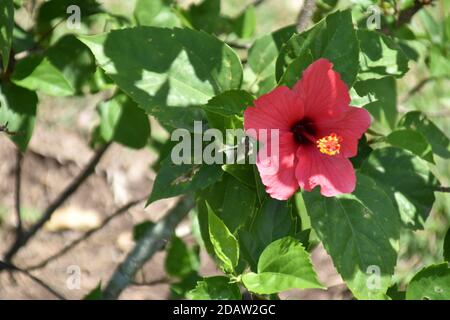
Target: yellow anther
[330,145]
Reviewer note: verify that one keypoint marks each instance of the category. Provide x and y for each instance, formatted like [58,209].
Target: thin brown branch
[406,15]
[305,14]
[17,193]
[151,241]
[419,86]
[150,283]
[69,191]
[86,235]
[442,189]
[9,266]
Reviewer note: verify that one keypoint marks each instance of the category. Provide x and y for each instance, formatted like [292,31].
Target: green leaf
[244,25]
[141,228]
[95,294]
[54,9]
[333,38]
[123,122]
[242,172]
[262,57]
[272,222]
[360,231]
[446,248]
[225,245]
[380,56]
[215,288]
[6,30]
[230,103]
[227,197]
[18,112]
[439,64]
[204,16]
[412,141]
[180,288]
[381,97]
[430,283]
[181,260]
[407,180]
[175,179]
[440,143]
[74,60]
[283,265]
[155,13]
[163,69]
[296,68]
[39,74]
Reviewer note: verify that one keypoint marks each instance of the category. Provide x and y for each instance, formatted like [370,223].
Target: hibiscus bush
[331,153]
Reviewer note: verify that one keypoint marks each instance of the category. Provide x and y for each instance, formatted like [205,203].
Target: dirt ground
[56,153]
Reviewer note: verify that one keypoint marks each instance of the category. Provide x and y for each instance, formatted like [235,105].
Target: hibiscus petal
[322,91]
[334,175]
[350,127]
[277,169]
[278,109]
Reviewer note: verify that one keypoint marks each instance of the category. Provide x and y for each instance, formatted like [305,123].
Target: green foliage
[272,222]
[177,64]
[122,121]
[360,231]
[181,260]
[215,288]
[406,179]
[225,245]
[18,113]
[333,38]
[6,31]
[262,57]
[283,265]
[431,283]
[175,69]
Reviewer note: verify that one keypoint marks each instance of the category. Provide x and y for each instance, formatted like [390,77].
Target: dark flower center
[304,131]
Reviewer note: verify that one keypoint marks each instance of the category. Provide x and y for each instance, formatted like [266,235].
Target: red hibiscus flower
[318,132]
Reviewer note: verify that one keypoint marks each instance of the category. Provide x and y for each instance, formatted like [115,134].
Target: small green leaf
[430,283]
[155,13]
[380,56]
[406,179]
[360,232]
[215,288]
[37,74]
[381,102]
[440,143]
[6,30]
[74,60]
[244,25]
[242,172]
[181,260]
[262,57]
[175,179]
[227,197]
[283,265]
[225,245]
[18,113]
[141,228]
[123,122]
[333,38]
[446,248]
[230,103]
[95,294]
[412,141]
[272,222]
